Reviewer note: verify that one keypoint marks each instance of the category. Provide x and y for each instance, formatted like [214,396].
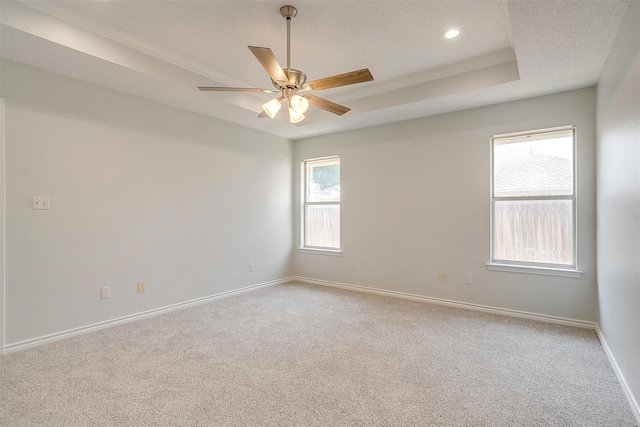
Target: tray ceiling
[163,50]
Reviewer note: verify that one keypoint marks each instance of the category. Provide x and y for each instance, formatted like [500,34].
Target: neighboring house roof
[520,172]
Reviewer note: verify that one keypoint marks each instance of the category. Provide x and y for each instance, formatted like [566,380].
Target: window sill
[330,252]
[545,271]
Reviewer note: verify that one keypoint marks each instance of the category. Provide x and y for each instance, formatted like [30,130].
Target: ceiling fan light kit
[272,107]
[289,82]
[299,104]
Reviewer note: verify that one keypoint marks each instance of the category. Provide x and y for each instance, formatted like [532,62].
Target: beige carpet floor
[302,355]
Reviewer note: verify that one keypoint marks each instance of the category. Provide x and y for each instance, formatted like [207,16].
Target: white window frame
[565,270]
[329,250]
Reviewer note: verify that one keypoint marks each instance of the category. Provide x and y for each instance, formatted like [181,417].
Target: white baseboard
[451,303]
[34,342]
[635,407]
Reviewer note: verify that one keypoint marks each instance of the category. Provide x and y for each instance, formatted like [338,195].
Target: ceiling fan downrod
[297,104]
[288,13]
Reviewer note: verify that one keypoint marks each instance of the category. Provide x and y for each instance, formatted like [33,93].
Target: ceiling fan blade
[353,77]
[270,63]
[235,89]
[332,107]
[262,114]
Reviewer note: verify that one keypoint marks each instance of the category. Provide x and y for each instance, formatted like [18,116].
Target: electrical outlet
[250,266]
[141,287]
[40,203]
[469,279]
[442,277]
[105,292]
[352,266]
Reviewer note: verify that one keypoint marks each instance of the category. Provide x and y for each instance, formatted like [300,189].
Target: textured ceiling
[163,50]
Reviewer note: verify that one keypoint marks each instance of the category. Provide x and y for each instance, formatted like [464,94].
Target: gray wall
[2,227]
[139,192]
[415,201]
[619,201]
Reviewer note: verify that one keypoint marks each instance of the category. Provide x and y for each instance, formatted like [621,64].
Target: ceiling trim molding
[121,39]
[475,79]
[459,68]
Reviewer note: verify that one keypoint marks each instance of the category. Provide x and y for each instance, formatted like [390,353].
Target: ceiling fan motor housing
[296,80]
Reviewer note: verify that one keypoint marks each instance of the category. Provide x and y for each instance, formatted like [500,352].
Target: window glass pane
[323,181]
[541,165]
[533,231]
[322,226]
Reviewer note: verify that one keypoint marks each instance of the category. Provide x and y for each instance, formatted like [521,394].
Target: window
[321,199]
[534,199]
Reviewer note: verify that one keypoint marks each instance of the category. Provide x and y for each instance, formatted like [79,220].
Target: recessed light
[451,33]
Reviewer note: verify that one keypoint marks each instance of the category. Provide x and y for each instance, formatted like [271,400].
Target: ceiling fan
[289,82]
